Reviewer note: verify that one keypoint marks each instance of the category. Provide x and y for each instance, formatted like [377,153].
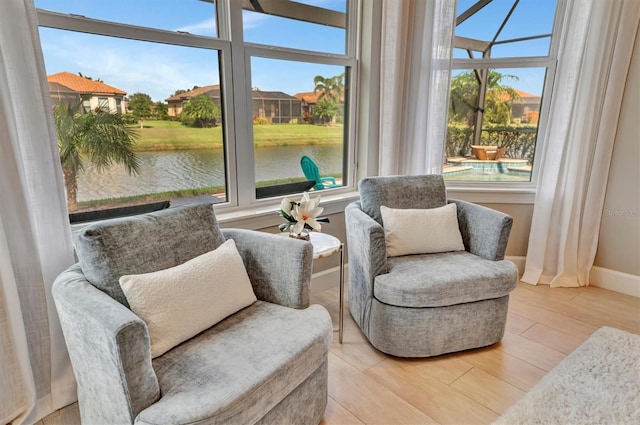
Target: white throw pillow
[421,231]
[180,302]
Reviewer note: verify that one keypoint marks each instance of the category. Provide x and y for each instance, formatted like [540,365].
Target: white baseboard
[602,278]
[518,261]
[327,279]
[615,281]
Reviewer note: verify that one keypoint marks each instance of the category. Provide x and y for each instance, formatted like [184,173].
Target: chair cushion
[437,280]
[415,192]
[182,301]
[144,244]
[241,368]
[422,231]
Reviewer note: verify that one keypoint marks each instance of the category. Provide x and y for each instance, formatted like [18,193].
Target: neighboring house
[275,106]
[174,103]
[309,100]
[526,108]
[66,87]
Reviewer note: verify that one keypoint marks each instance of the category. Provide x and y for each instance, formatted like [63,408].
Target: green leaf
[284,226]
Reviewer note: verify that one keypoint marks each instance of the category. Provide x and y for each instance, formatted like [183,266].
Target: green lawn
[172,135]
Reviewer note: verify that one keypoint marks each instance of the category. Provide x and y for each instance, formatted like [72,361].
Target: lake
[176,170]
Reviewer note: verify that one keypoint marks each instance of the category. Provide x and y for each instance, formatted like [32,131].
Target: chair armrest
[485,232]
[109,348]
[331,180]
[367,257]
[279,268]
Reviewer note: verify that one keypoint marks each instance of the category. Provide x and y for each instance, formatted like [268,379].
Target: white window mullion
[523,62]
[113,29]
[286,53]
[244,163]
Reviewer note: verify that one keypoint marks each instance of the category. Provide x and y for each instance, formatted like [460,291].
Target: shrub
[519,140]
[187,120]
[459,140]
[261,121]
[130,119]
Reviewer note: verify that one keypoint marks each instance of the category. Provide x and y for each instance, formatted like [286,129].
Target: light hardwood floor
[475,386]
[472,387]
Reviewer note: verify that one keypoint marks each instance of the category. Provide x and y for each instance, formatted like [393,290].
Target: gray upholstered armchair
[265,364]
[428,304]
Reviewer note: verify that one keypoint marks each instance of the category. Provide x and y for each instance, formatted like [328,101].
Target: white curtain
[35,240]
[417,46]
[596,43]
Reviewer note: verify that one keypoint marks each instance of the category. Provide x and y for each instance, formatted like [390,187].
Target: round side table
[324,246]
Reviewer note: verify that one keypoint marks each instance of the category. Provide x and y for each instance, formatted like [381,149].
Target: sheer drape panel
[15,368]
[417,45]
[36,243]
[594,56]
[444,18]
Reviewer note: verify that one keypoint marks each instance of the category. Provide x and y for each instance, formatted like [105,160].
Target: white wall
[619,244]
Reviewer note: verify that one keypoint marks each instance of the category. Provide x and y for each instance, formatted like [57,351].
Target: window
[103,103]
[314,129]
[299,92]
[503,67]
[188,99]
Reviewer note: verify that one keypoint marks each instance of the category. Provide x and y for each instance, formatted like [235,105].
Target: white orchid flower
[285,205]
[306,213]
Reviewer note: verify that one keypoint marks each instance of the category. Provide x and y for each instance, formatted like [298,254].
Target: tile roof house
[175,102]
[527,106]
[308,99]
[66,87]
[275,106]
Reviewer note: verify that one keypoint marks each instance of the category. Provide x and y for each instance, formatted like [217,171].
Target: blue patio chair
[311,172]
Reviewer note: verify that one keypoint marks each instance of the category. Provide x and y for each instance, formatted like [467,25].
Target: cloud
[132,66]
[253,20]
[205,27]
[250,20]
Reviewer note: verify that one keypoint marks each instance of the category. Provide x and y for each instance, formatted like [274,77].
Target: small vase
[303,235]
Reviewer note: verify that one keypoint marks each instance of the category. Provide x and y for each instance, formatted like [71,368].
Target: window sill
[254,218]
[492,195]
[265,215]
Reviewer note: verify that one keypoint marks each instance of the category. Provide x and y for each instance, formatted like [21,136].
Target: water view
[186,169]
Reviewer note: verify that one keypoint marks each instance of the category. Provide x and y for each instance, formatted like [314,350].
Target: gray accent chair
[428,304]
[266,364]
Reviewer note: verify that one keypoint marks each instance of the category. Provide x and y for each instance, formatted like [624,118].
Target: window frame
[234,63]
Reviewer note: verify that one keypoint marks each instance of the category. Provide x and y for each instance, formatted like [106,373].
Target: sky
[159,70]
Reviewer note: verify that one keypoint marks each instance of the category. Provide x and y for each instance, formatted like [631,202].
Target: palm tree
[330,88]
[330,97]
[463,105]
[200,111]
[100,137]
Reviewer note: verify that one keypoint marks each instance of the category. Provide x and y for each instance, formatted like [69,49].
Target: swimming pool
[471,169]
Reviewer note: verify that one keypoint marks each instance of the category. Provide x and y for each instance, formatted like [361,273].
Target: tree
[160,110]
[325,111]
[200,111]
[330,88]
[330,92]
[140,106]
[100,137]
[465,87]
